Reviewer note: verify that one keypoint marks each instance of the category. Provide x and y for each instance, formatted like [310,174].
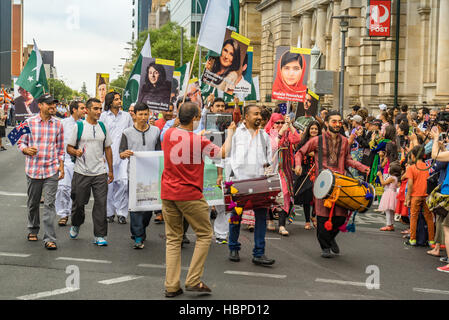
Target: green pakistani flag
[33,78]
[131,93]
[183,81]
[234,16]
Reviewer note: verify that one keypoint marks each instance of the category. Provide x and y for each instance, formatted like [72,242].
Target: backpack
[80,126]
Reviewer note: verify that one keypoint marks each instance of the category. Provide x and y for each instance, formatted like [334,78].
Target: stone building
[370,65]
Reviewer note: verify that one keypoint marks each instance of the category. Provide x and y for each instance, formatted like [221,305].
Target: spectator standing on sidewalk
[44,166]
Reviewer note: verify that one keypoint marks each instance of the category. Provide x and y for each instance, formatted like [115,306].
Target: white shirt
[115,125]
[249,154]
[68,124]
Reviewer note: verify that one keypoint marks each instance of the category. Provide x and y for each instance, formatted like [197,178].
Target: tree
[59,90]
[84,88]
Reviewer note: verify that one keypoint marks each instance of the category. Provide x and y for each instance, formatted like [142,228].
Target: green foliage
[61,91]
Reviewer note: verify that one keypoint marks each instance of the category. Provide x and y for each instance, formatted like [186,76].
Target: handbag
[438,203]
[432,182]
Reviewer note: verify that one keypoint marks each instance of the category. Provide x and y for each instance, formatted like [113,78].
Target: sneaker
[397,217]
[138,244]
[410,243]
[110,219]
[431,243]
[159,219]
[121,220]
[100,241]
[74,231]
[221,241]
[444,259]
[326,253]
[444,269]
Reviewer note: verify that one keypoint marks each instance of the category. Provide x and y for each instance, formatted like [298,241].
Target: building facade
[188,14]
[5,42]
[159,14]
[369,63]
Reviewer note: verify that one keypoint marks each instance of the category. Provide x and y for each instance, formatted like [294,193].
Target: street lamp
[344,26]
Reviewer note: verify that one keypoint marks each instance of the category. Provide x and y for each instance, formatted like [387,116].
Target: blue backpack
[80,127]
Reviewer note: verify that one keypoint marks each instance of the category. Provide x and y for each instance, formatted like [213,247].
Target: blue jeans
[260,229]
[139,222]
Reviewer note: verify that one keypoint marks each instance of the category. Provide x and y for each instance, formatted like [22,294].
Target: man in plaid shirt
[44,166]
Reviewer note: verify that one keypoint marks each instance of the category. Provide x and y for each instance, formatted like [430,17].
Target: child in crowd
[388,200]
[415,198]
[401,210]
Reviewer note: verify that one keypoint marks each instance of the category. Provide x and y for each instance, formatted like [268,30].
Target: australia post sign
[379,18]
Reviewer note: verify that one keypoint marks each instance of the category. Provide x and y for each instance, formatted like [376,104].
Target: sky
[87,36]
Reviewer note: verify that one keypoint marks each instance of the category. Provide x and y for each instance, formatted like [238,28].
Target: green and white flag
[33,78]
[131,92]
[182,71]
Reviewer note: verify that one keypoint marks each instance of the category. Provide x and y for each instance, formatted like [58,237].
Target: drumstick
[305,179]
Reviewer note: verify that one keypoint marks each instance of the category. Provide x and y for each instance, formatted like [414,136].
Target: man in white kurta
[116,122]
[63,203]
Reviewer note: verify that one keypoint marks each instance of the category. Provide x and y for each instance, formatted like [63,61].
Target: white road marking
[272,238]
[45,294]
[157,266]
[121,279]
[350,283]
[13,194]
[19,255]
[83,260]
[430,291]
[256,274]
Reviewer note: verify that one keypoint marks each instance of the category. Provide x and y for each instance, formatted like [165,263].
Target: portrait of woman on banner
[226,66]
[288,84]
[156,87]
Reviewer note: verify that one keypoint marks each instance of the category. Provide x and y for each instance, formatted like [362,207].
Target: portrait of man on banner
[156,83]
[101,88]
[25,105]
[243,86]
[291,74]
[224,72]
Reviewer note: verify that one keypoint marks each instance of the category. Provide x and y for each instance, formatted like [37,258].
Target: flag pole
[190,72]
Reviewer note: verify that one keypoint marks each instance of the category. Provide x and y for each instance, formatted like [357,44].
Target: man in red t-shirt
[166,115]
[182,196]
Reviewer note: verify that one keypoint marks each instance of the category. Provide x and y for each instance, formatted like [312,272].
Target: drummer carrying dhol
[331,153]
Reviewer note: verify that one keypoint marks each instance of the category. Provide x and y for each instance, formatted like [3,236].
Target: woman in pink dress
[283,136]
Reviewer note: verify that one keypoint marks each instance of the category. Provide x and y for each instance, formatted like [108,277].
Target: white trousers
[221,224]
[63,202]
[118,198]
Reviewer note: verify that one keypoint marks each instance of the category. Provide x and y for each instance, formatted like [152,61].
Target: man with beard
[166,116]
[116,122]
[336,157]
[250,155]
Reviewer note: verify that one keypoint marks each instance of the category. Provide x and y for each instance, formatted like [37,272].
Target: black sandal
[50,245]
[32,237]
[200,287]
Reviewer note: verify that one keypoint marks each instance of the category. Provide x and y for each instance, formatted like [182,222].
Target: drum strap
[320,153]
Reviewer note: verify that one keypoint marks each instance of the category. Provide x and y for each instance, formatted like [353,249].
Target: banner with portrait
[243,87]
[225,72]
[291,74]
[156,83]
[101,86]
[25,105]
[145,174]
[307,110]
[194,91]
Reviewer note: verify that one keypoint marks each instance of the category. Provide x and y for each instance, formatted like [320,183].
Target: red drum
[262,192]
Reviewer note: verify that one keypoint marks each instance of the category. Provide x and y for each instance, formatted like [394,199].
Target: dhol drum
[353,194]
[262,192]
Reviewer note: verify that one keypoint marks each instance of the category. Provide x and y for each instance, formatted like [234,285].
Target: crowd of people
[401,153]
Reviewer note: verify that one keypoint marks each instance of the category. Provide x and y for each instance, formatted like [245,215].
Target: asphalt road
[28,271]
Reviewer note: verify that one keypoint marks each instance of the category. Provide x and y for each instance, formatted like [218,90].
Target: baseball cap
[357,118]
[47,98]
[383,107]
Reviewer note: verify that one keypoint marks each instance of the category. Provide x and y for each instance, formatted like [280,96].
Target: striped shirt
[48,138]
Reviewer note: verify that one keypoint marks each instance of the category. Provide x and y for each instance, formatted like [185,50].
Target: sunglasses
[279,122]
